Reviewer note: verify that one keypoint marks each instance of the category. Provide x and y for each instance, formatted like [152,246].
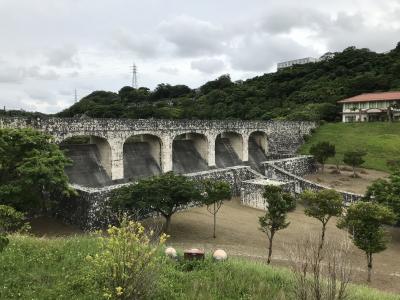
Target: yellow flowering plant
[129,261]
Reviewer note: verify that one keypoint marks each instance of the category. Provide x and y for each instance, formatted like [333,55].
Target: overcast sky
[50,47]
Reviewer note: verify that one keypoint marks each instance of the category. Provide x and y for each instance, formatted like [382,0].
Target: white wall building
[301,61]
[371,107]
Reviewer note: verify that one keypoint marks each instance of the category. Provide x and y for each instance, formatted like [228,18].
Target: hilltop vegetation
[302,92]
[381,141]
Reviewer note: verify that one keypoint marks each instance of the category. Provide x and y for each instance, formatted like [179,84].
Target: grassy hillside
[40,268]
[380,140]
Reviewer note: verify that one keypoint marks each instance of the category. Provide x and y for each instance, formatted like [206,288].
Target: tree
[364,222]
[164,194]
[386,192]
[213,195]
[32,173]
[322,151]
[279,204]
[322,205]
[10,221]
[354,158]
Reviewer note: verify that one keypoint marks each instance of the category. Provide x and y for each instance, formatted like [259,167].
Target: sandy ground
[344,181]
[238,234]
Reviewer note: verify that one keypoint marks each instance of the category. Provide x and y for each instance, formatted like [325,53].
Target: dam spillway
[225,155]
[186,158]
[138,161]
[256,155]
[86,168]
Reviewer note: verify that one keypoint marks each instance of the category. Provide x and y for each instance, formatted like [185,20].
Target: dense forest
[302,92]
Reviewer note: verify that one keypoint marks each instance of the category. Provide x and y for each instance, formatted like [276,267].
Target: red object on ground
[193,254]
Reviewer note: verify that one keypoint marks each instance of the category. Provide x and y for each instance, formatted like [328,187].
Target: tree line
[301,92]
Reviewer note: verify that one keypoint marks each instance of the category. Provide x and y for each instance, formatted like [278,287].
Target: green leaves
[322,151]
[10,221]
[364,221]
[279,204]
[165,194]
[323,204]
[214,191]
[386,192]
[354,158]
[30,168]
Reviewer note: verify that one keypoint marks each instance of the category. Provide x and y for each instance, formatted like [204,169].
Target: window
[363,105]
[372,104]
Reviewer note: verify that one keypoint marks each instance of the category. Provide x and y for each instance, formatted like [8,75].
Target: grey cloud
[193,37]
[284,19]
[141,45]
[169,70]
[17,74]
[37,73]
[11,75]
[208,65]
[65,56]
[355,30]
[260,52]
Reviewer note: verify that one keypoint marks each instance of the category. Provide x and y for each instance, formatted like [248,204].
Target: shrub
[10,221]
[128,264]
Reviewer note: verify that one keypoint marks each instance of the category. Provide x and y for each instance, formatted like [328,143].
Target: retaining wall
[291,170]
[91,209]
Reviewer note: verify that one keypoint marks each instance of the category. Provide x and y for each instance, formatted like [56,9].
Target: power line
[134,76]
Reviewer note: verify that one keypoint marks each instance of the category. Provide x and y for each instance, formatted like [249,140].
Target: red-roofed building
[371,107]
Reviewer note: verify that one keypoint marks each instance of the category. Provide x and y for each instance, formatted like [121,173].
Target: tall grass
[41,268]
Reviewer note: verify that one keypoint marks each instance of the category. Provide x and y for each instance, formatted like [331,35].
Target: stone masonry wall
[91,209]
[276,170]
[252,192]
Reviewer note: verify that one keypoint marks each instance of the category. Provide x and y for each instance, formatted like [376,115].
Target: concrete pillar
[166,154]
[117,158]
[211,150]
[245,148]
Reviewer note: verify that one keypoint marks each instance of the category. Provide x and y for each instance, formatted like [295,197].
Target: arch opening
[142,156]
[91,160]
[190,153]
[228,149]
[258,149]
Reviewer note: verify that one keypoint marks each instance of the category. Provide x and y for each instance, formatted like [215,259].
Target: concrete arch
[260,138]
[91,156]
[229,149]
[142,155]
[190,152]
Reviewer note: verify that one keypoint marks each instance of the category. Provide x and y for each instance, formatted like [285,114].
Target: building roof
[385,96]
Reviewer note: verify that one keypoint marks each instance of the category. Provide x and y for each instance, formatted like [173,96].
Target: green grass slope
[41,268]
[380,140]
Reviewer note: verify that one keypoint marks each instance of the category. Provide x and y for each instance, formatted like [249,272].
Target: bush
[10,221]
[127,266]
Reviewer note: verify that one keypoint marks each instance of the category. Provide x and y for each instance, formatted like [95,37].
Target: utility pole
[76,96]
[134,76]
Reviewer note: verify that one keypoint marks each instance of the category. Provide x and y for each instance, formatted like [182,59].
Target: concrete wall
[283,137]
